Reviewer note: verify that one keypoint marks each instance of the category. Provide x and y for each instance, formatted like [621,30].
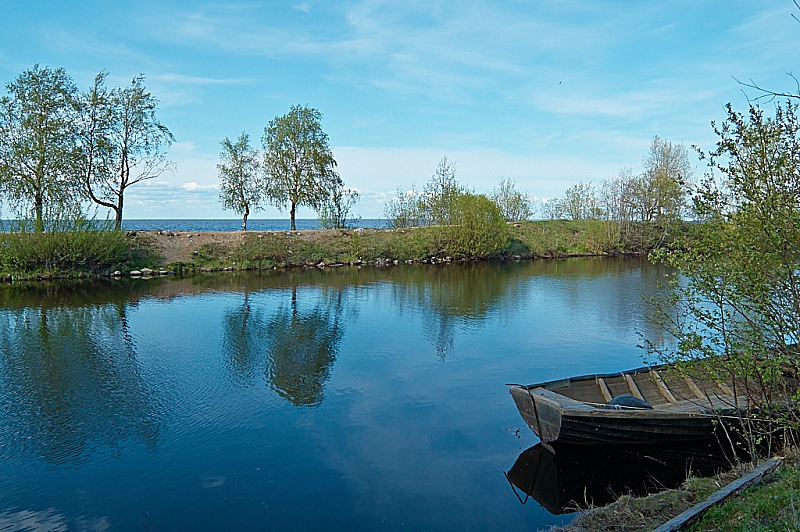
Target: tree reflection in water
[457,296]
[72,381]
[302,346]
[452,296]
[244,339]
[296,347]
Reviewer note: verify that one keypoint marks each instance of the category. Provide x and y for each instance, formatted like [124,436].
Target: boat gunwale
[715,405]
[546,384]
[693,414]
[574,407]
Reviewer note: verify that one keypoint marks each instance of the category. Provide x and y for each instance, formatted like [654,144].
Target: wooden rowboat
[577,410]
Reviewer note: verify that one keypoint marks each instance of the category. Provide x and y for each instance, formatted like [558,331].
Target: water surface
[359,399]
[253,224]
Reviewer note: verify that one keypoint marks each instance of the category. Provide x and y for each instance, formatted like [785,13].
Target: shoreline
[190,252]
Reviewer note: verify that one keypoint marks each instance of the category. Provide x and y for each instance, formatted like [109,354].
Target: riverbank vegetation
[29,254]
[769,505]
[82,249]
[735,311]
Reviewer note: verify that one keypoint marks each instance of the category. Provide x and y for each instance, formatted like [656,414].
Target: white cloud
[192,186]
[305,8]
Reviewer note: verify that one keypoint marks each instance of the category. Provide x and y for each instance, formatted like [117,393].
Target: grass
[770,505]
[348,246]
[78,253]
[564,238]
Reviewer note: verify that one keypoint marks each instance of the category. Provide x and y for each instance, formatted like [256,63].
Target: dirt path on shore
[179,246]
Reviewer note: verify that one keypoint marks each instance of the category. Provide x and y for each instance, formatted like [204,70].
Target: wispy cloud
[193,186]
[181,79]
[546,93]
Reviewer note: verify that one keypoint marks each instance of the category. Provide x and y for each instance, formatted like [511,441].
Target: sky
[545,93]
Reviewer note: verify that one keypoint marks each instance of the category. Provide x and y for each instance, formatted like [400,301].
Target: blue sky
[547,93]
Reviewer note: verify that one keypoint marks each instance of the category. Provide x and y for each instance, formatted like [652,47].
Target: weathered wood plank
[634,389]
[725,388]
[691,515]
[693,387]
[604,389]
[663,387]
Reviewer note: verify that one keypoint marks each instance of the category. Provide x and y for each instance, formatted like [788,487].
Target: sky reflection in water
[361,399]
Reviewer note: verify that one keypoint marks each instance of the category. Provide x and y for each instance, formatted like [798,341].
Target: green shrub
[84,249]
[479,229]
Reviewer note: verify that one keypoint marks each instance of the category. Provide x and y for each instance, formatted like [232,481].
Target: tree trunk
[291,215]
[38,207]
[118,211]
[244,218]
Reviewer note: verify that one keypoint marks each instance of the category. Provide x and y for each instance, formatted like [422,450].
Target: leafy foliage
[241,188]
[643,211]
[95,159]
[298,160]
[129,144]
[514,205]
[660,194]
[740,304]
[579,203]
[406,209]
[336,210]
[466,225]
[441,194]
[37,143]
[479,229]
[59,147]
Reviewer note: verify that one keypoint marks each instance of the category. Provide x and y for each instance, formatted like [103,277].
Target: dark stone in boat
[630,401]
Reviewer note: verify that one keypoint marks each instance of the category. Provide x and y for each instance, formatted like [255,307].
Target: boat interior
[665,388]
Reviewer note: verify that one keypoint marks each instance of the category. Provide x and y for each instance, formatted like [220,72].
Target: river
[344,398]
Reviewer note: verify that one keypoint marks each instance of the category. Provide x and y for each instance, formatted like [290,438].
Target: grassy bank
[423,244]
[64,254]
[771,504]
[87,253]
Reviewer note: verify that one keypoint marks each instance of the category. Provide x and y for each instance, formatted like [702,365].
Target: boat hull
[579,424]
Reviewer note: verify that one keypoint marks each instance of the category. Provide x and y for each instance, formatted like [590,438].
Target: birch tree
[138,144]
[298,161]
[38,143]
[241,189]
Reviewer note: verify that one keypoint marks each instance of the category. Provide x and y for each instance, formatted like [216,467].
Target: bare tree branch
[768,95]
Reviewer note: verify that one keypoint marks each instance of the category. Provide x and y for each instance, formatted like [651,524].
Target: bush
[407,209]
[335,212]
[479,229]
[83,250]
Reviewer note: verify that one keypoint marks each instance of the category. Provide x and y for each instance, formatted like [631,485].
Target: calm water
[347,399]
[235,225]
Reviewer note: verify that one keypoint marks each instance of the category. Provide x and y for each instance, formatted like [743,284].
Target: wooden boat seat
[665,390]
